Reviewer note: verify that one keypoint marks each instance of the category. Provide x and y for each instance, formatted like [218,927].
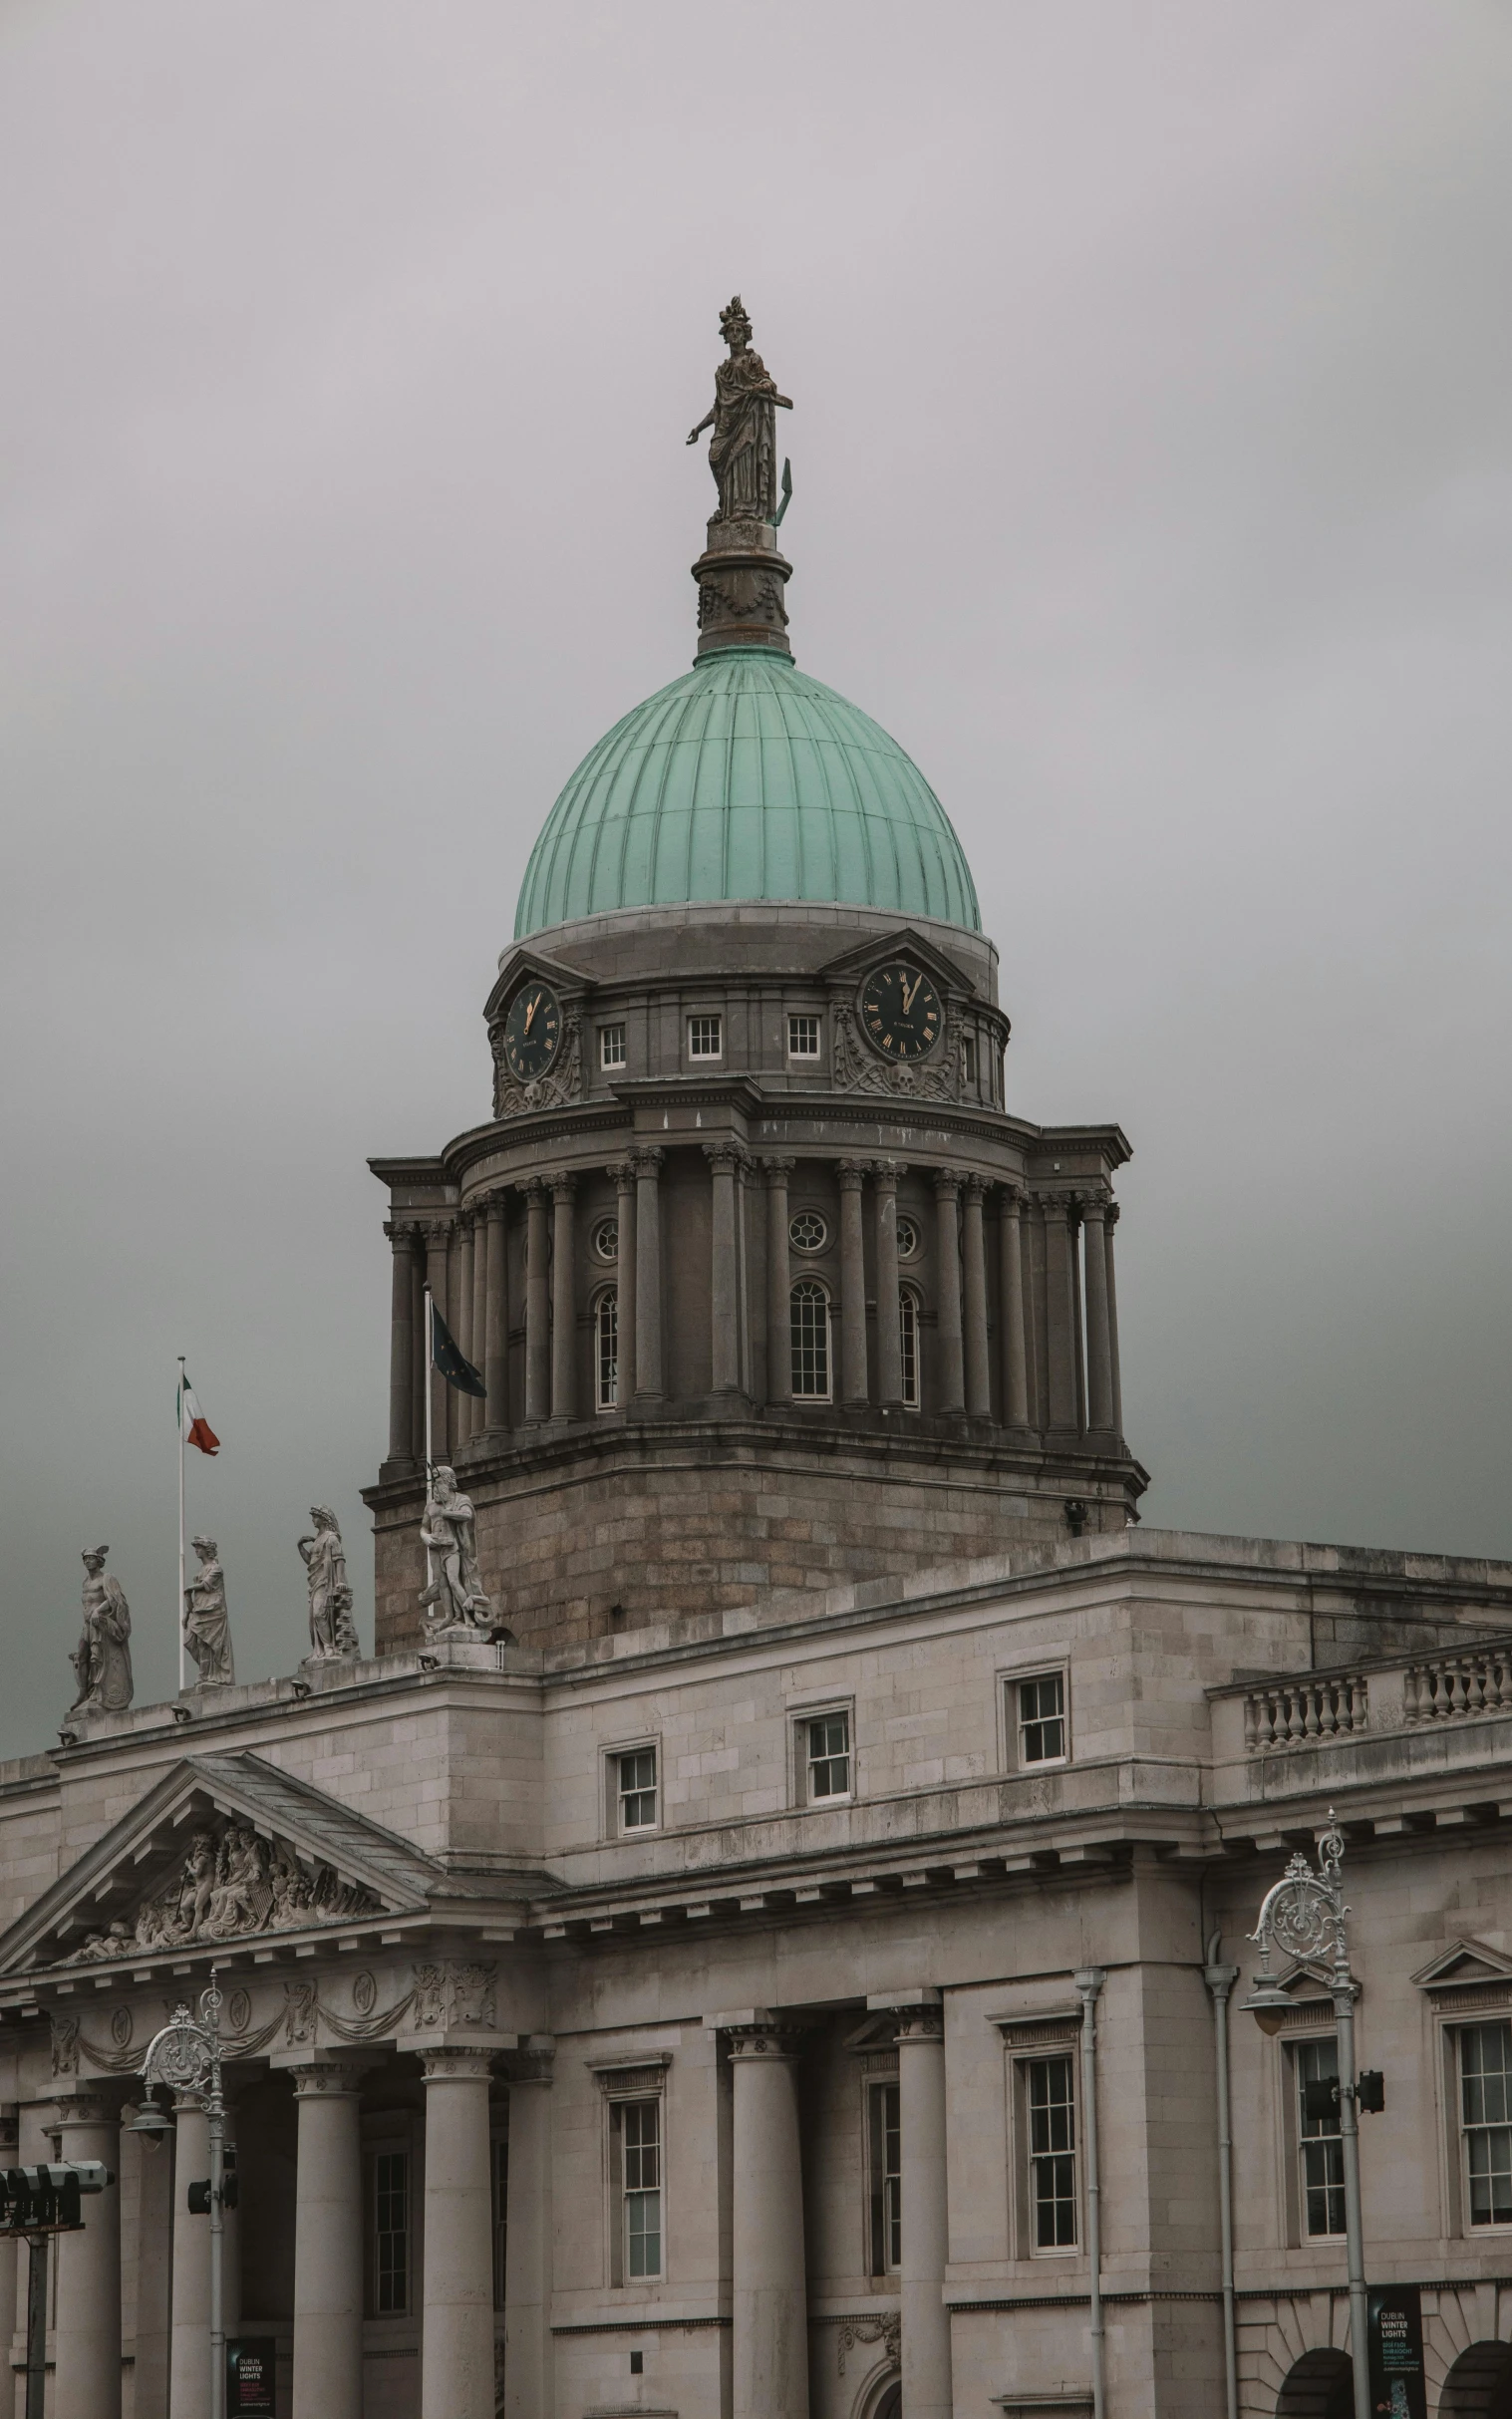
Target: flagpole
[430,1365]
[180,1523]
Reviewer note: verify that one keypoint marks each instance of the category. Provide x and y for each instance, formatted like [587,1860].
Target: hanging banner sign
[251,2377]
[1399,2389]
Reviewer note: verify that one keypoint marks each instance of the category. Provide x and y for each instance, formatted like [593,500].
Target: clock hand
[530,1011]
[909,996]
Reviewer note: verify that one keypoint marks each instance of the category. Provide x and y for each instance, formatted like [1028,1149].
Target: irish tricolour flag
[193,1426]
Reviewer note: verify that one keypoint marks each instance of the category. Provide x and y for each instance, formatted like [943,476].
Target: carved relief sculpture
[230,1885]
[206,1622]
[858,1069]
[562,1081]
[454,1601]
[103,1657]
[333,1632]
[743,450]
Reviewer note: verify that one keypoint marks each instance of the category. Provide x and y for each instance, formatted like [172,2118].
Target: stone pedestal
[327,2244]
[770,2304]
[456,2340]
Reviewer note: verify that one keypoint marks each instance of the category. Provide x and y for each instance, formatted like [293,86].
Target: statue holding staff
[333,1632]
[743,451]
[206,1622]
[454,1599]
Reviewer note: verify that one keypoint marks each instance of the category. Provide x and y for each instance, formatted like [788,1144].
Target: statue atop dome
[743,451]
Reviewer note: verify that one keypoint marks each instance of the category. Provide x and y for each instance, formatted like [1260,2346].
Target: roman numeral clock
[901,1015]
[532,1032]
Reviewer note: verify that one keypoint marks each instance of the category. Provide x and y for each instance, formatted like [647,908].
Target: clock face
[533,1030]
[901,1013]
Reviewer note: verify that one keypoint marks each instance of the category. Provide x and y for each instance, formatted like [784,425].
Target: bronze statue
[743,451]
[103,1657]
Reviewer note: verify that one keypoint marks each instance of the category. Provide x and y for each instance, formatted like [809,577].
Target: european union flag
[452,1363]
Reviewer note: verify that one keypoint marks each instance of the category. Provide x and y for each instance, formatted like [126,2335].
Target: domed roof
[746,780]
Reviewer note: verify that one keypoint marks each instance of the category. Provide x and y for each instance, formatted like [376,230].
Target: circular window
[808,1233]
[606,1238]
[908,1238]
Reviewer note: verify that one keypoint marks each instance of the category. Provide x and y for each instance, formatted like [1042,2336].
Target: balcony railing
[1452,1687]
[1295,1714]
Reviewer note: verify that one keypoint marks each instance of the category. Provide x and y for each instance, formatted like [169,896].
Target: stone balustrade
[1296,1713]
[1451,1687]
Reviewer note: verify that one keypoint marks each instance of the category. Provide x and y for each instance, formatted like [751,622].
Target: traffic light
[48,2200]
[1370,2091]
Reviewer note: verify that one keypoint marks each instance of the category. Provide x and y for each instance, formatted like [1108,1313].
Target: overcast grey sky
[1153,468]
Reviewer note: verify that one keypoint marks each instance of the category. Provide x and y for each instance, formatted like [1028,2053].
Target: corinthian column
[189,2353]
[948,1293]
[477,1328]
[921,2151]
[563,1301]
[1011,1279]
[648,1276]
[438,1252]
[853,1174]
[885,1174]
[327,2244]
[1062,1306]
[538,1304]
[402,1344]
[457,2327]
[460,1320]
[725,1162]
[779,1283]
[978,1401]
[623,1174]
[1099,1343]
[1109,1224]
[496,1316]
[769,2300]
[87,2382]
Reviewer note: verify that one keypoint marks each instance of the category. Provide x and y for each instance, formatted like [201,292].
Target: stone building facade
[779,1968]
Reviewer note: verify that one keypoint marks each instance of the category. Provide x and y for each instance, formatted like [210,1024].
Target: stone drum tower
[767,1285]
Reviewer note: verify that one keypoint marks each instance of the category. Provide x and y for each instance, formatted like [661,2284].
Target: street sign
[251,2377]
[1395,2332]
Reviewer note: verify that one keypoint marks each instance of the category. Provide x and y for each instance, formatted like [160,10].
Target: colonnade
[768,2298]
[1055,1344]
[456,2301]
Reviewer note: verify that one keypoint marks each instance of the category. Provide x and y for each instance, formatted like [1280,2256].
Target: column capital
[947,1183]
[1014,1196]
[563,1184]
[1059,1200]
[404,1233]
[496,1204]
[922,2023]
[621,1173]
[93,2105]
[437,1231]
[886,1172]
[466,1215]
[975,1187]
[337,2079]
[534,1188]
[852,1173]
[1092,1205]
[456,2066]
[755,2033]
[727,1158]
[647,1158]
[775,1167]
[1111,1218]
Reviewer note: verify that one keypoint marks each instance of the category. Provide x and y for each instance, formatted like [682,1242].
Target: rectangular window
[636,1789]
[703,1039]
[1042,1719]
[611,1046]
[908,1348]
[1051,2107]
[501,2180]
[606,1341]
[1485,2108]
[391,2232]
[641,2157]
[886,2181]
[1319,2148]
[808,1320]
[969,1060]
[802,1036]
[828,1757]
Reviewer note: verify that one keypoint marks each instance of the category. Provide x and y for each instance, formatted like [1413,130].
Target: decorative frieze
[232,1885]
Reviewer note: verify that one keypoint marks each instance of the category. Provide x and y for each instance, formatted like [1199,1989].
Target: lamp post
[186,2056]
[1303,1914]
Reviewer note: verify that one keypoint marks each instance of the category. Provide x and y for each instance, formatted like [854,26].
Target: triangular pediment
[518,964]
[223,1848]
[879,947]
[1464,1961]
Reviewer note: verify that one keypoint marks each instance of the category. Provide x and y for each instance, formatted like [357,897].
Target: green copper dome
[746,780]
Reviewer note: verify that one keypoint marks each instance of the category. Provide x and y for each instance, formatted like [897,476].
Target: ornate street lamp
[185,2057]
[1303,1914]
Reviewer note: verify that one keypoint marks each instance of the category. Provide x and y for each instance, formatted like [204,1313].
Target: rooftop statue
[743,451]
[206,1622]
[103,1657]
[333,1632]
[454,1599]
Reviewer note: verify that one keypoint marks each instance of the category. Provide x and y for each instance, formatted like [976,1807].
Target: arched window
[908,1346]
[606,1349]
[810,1342]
